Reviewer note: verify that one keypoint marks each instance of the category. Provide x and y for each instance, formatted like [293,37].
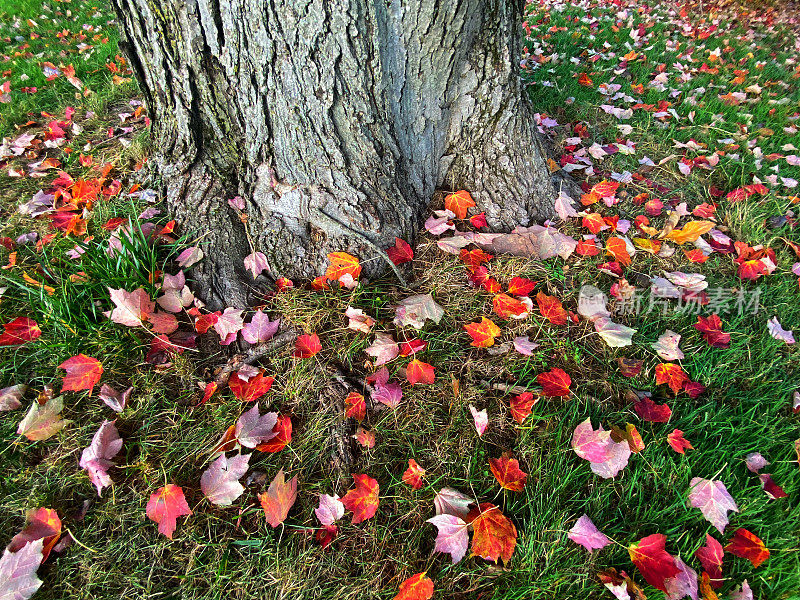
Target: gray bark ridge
[335,120]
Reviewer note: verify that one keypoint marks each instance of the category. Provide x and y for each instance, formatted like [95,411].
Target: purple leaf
[113,399]
[18,580]
[253,429]
[713,500]
[453,536]
[96,459]
[220,482]
[585,533]
[260,328]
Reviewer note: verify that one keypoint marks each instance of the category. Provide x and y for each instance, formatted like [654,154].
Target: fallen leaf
[551,309]
[363,500]
[330,509]
[401,252]
[83,372]
[260,328]
[43,420]
[165,506]
[384,349]
[481,419]
[585,533]
[414,474]
[40,524]
[418,372]
[459,203]
[710,556]
[482,333]
[672,375]
[278,499]
[713,500]
[342,264]
[522,405]
[96,459]
[507,472]
[677,442]
[452,537]
[253,428]
[417,587]
[306,346]
[653,561]
[745,544]
[555,383]
[452,502]
[494,535]
[282,437]
[711,328]
[18,580]
[415,310]
[220,481]
[20,331]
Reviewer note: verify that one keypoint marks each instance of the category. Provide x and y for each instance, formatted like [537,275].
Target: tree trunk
[335,121]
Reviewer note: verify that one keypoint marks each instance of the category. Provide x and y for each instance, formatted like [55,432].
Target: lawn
[676,103]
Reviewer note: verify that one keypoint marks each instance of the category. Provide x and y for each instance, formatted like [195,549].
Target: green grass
[233,553]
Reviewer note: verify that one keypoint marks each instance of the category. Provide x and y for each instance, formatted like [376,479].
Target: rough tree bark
[335,121]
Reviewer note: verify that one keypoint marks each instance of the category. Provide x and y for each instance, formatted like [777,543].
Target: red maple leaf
[306,346]
[672,375]
[83,372]
[519,286]
[650,411]
[41,524]
[507,472]
[417,587]
[414,474]
[20,331]
[419,372]
[521,406]
[401,252]
[551,309]
[282,437]
[554,383]
[745,544]
[252,389]
[165,506]
[494,535]
[362,501]
[653,561]
[710,556]
[711,328]
[356,406]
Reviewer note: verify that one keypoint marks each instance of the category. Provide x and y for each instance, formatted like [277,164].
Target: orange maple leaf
[417,587]
[672,375]
[494,535]
[507,472]
[341,264]
[506,307]
[551,308]
[363,500]
[617,248]
[414,474]
[482,333]
[458,203]
[278,499]
[419,372]
[745,544]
